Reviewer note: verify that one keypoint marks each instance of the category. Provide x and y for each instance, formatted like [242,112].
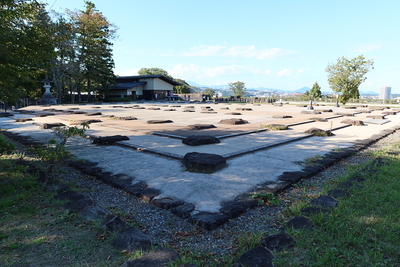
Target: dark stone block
[45,115]
[233,208]
[113,223]
[319,119]
[128,118]
[183,211]
[281,116]
[158,257]
[203,162]
[338,193]
[247,201]
[121,181]
[23,111]
[377,117]
[69,195]
[201,126]
[78,164]
[93,212]
[109,140]
[77,205]
[272,187]
[298,223]
[132,239]
[51,125]
[244,109]
[23,120]
[353,122]
[90,170]
[312,170]
[234,113]
[158,121]
[93,114]
[208,220]
[326,162]
[310,112]
[292,177]
[136,189]
[356,178]
[79,122]
[148,194]
[257,257]
[349,184]
[389,112]
[278,242]
[198,140]
[166,203]
[324,202]
[308,211]
[233,121]
[319,132]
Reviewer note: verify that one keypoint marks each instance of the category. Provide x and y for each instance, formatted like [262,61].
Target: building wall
[161,85]
[139,90]
[385,92]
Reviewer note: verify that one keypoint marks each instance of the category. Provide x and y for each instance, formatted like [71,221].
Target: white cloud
[368,48]
[194,71]
[252,52]
[289,72]
[204,50]
[284,72]
[249,51]
[267,72]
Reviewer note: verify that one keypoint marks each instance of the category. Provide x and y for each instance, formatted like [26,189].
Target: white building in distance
[385,92]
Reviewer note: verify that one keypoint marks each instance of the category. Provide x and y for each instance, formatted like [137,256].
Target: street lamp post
[310,107]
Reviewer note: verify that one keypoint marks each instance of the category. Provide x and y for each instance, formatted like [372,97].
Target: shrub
[5,145]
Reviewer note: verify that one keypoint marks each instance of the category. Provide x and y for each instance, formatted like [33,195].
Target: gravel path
[169,230]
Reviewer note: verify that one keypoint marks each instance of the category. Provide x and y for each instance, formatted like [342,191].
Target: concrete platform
[254,156]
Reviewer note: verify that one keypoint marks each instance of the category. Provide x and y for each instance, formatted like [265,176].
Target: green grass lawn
[35,231]
[364,230]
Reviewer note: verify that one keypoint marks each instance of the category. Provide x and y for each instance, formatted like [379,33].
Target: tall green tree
[209,91]
[238,88]
[184,88]
[65,65]
[346,75]
[154,71]
[25,48]
[94,48]
[316,91]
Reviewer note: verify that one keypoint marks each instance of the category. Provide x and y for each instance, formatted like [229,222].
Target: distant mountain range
[301,90]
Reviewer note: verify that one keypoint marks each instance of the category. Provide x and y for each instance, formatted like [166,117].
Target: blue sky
[263,43]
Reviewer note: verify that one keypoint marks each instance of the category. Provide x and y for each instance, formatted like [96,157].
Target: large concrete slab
[206,191]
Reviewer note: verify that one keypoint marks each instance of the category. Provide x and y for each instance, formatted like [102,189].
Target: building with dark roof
[147,87]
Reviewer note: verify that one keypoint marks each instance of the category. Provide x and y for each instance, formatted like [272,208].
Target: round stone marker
[198,140]
[203,162]
[158,121]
